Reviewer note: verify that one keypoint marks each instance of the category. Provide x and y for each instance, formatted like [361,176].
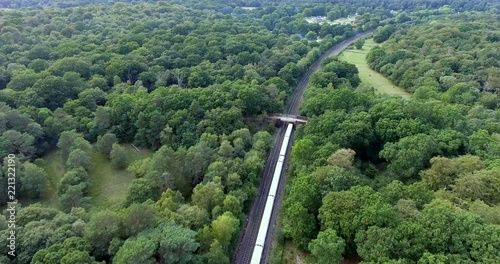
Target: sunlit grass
[108,185]
[368,76]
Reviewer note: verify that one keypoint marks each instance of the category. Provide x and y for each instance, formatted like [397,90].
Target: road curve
[243,253]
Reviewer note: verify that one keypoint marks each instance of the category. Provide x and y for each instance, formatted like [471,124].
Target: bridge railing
[289,116]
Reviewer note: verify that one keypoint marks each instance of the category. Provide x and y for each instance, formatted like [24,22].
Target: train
[266,216]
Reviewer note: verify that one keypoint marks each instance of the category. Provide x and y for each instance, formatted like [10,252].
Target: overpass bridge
[295,119]
[250,249]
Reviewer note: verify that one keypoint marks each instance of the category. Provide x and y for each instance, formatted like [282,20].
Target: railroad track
[246,245]
[296,98]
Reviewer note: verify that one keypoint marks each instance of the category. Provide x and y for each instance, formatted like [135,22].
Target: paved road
[246,244]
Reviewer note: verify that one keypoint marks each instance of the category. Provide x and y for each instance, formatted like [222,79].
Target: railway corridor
[279,170]
[254,244]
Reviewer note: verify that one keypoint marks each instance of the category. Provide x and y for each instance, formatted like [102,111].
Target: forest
[185,82]
[178,81]
[394,180]
[320,5]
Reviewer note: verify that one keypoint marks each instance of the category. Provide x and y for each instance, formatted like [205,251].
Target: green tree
[176,244]
[359,43]
[300,224]
[416,192]
[216,255]
[446,228]
[483,185]
[127,68]
[232,204]
[208,196]
[74,177]
[140,190]
[72,250]
[22,81]
[300,209]
[376,244]
[137,218]
[485,242]
[40,52]
[119,157]
[74,196]
[482,144]
[15,142]
[55,91]
[78,257]
[383,33]
[333,178]
[193,217]
[226,150]
[65,142]
[311,36]
[349,212]
[78,158]
[224,229]
[105,143]
[490,215]
[70,64]
[102,227]
[82,144]
[34,181]
[410,155]
[102,120]
[327,247]
[136,250]
[443,171]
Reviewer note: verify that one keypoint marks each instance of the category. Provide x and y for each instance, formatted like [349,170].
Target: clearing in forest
[369,76]
[108,186]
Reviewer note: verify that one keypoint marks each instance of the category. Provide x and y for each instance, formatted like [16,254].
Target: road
[246,243]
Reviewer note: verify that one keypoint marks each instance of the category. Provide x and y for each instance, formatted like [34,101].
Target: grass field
[369,76]
[108,185]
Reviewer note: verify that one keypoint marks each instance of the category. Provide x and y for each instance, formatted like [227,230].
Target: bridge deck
[292,119]
[289,118]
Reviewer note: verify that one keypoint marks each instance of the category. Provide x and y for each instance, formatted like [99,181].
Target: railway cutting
[254,243]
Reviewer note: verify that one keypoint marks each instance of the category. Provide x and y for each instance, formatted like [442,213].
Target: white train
[266,216]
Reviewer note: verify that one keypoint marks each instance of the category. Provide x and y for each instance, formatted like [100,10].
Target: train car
[288,132]
[257,254]
[268,209]
[261,236]
[286,140]
[276,177]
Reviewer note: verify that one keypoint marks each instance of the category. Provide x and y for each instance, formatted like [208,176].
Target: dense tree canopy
[189,82]
[393,180]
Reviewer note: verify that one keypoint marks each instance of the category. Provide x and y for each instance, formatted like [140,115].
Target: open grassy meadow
[369,76]
[108,185]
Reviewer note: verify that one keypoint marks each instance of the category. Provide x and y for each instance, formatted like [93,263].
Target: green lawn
[108,185]
[369,76]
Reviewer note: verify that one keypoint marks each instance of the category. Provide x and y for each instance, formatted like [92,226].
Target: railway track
[296,98]
[248,237]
